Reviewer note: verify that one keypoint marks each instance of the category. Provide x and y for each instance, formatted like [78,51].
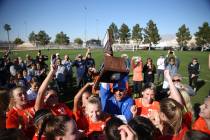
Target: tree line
[148,35]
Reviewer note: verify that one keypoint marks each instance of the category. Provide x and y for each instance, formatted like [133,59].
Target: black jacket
[193,69]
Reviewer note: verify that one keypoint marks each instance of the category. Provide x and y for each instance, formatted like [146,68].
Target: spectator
[26,76]
[14,68]
[172,67]
[21,64]
[40,72]
[60,75]
[68,65]
[41,58]
[149,71]
[80,65]
[171,54]
[28,61]
[137,66]
[20,80]
[33,91]
[177,79]
[128,66]
[32,70]
[160,68]
[193,70]
[90,62]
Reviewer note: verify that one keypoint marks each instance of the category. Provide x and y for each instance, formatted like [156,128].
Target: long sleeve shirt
[113,106]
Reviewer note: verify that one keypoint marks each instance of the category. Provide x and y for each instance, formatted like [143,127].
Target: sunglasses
[176,80]
[120,90]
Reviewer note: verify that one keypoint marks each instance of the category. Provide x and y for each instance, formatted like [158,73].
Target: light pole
[26,34]
[97,29]
[85,26]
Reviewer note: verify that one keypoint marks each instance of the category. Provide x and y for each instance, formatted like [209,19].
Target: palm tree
[7,28]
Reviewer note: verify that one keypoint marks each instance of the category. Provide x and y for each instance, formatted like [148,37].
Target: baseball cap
[121,85]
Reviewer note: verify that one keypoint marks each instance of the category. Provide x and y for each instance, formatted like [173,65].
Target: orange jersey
[23,119]
[81,119]
[31,103]
[179,136]
[187,119]
[96,126]
[36,137]
[201,125]
[144,111]
[61,109]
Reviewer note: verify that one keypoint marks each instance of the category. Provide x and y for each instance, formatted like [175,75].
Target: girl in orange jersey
[80,103]
[19,114]
[169,119]
[61,128]
[203,122]
[57,108]
[146,103]
[96,119]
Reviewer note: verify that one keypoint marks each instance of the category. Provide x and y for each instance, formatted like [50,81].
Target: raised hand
[127,133]
[167,75]
[134,110]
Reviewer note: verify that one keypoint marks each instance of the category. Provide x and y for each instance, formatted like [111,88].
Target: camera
[53,59]
[171,52]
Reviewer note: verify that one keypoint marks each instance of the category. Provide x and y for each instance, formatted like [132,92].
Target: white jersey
[161,63]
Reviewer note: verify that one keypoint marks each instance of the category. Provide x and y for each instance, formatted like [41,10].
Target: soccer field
[185,57]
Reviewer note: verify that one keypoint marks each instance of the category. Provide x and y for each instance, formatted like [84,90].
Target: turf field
[185,57]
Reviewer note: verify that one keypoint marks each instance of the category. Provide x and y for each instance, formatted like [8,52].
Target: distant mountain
[167,37]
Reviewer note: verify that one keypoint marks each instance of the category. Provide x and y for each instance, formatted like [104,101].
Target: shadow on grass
[200,84]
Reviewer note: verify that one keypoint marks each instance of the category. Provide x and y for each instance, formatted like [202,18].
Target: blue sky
[71,16]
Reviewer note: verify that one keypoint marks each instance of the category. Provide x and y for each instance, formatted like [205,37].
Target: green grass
[185,58]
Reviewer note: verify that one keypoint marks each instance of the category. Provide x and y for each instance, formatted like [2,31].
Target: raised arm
[174,94]
[104,94]
[88,50]
[42,90]
[78,96]
[132,63]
